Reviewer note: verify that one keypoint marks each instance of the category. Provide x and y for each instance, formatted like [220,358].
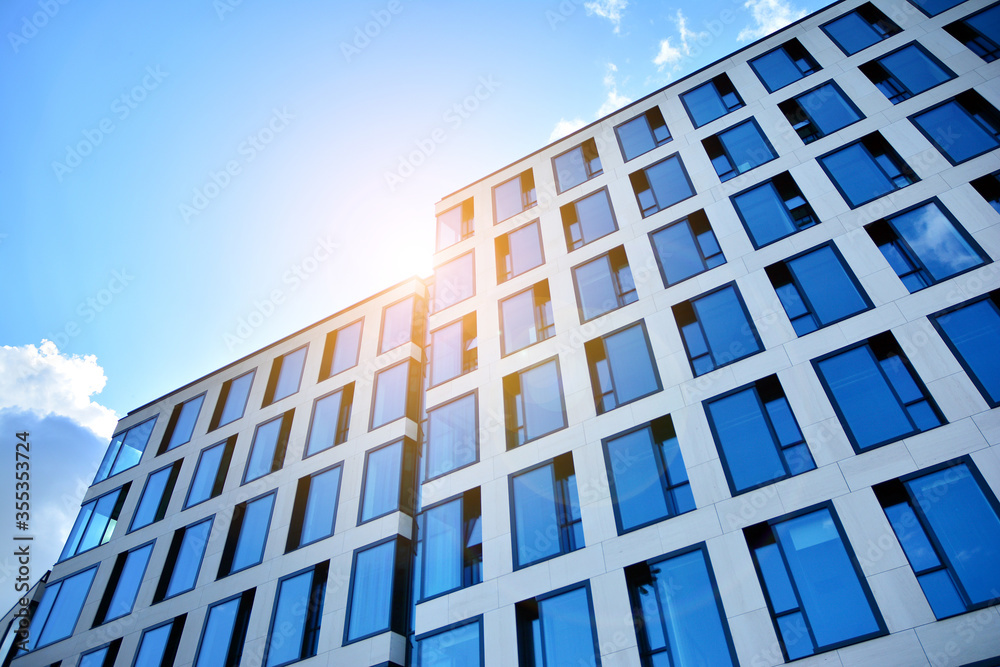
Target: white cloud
[668,55]
[44,381]
[672,55]
[609,9]
[614,101]
[565,127]
[768,16]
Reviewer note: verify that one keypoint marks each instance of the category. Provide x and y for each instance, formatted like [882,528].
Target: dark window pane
[962,128]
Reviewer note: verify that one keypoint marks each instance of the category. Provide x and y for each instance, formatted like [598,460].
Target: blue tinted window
[210,473]
[604,284]
[866,170]
[519,251]
[513,196]
[341,351]
[588,219]
[454,281]
[184,560]
[58,610]
[225,631]
[546,512]
[661,185]
[784,65]
[234,399]
[526,318]
[330,420]
[861,28]
[289,375]
[391,390]
[906,72]
[454,350]
[183,424]
[315,513]
[973,332]
[557,630]
[716,330]
[157,646]
[980,33]
[711,100]
[103,656]
[383,468]
[267,453]
[298,610]
[961,128]
[450,648]
[642,134]
[125,450]
[820,112]
[95,523]
[686,248]
[935,7]
[739,149]
[369,609]
[622,368]
[451,547]
[126,587]
[247,535]
[533,403]
[397,325]
[155,496]
[773,210]
[577,165]
[452,436]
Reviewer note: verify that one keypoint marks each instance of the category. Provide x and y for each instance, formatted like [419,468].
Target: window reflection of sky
[934,239]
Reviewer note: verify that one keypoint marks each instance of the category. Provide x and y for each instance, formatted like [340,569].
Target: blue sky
[186,182]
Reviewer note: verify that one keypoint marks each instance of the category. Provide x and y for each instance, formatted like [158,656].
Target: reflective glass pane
[595,217]
[446,353]
[517,314]
[543,402]
[203,483]
[382,481]
[253,533]
[746,146]
[288,624]
[325,423]
[852,33]
[94,658]
[729,333]
[346,346]
[57,614]
[442,548]
[828,109]
[776,69]
[638,489]
[321,506]
[371,599]
[596,286]
[451,437]
[536,524]
[188,562]
[236,400]
[632,365]
[765,214]
[133,446]
[397,325]
[525,249]
[974,330]
[453,282]
[955,132]
[941,593]
[857,174]
[932,237]
[746,441]
[567,630]
[153,647]
[830,291]
[218,634]
[128,583]
[635,137]
[912,537]
[935,7]
[507,199]
[669,182]
[262,451]
[914,68]
[459,647]
[390,394]
[290,374]
[152,495]
[704,104]
[184,426]
[571,169]
[678,253]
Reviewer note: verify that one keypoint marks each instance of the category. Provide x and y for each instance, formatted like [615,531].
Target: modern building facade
[711,381]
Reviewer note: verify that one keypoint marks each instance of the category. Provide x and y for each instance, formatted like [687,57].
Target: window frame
[892,155]
[467,223]
[599,345]
[280,445]
[735,168]
[530,605]
[794,44]
[312,621]
[229,446]
[644,172]
[885,29]
[989,112]
[926,12]
[469,355]
[300,508]
[439,303]
[241,623]
[110,650]
[871,69]
[277,370]
[170,646]
[561,499]
[714,83]
[617,262]
[173,555]
[222,401]
[342,428]
[399,583]
[382,349]
[538,290]
[175,415]
[501,257]
[112,462]
[583,147]
[992,297]
[410,399]
[114,581]
[465,498]
[990,51]
[121,494]
[793,110]
[238,531]
[746,314]
[330,350]
[777,184]
[165,495]
[695,218]
[477,620]
[33,637]
[426,458]
[529,197]
[407,469]
[569,215]
[645,116]
[510,408]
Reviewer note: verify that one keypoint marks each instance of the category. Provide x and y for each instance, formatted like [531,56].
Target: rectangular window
[395,393]
[961,128]
[95,523]
[210,472]
[519,251]
[972,331]
[738,149]
[187,550]
[286,376]
[295,621]
[784,65]
[331,417]
[935,7]
[454,281]
[925,245]
[397,324]
[577,165]
[588,219]
[604,284]
[816,289]
[649,482]
[906,72]
[225,631]
[314,515]
[716,329]
[452,436]
[232,400]
[533,403]
[380,574]
[247,535]
[686,248]
[513,196]
[341,350]
[661,185]
[622,367]
[642,134]
[180,428]
[758,438]
[545,512]
[866,170]
[158,645]
[815,591]
[125,450]
[267,452]
[155,496]
[102,656]
[946,521]
[454,225]
[454,350]
[451,545]
[773,210]
[857,30]
[557,628]
[711,100]
[59,609]
[876,393]
[678,615]
[388,480]
[123,585]
[980,32]
[988,188]
[526,318]
[454,645]
[819,112]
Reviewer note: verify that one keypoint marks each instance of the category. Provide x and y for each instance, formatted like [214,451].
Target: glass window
[267,452]
[988,188]
[180,428]
[604,284]
[773,210]
[247,535]
[980,32]
[820,112]
[716,329]
[123,586]
[158,645]
[661,185]
[738,149]
[816,288]
[946,521]
[95,523]
[935,7]
[454,225]
[622,368]
[298,611]
[972,331]
[758,438]
[451,545]
[452,436]
[379,576]
[642,134]
[526,318]
[341,350]
[393,388]
[545,511]
[557,629]
[533,403]
[859,29]
[686,248]
[454,350]
[210,473]
[57,612]
[314,515]
[519,251]
[817,597]
[906,72]
[711,100]
[588,219]
[383,480]
[877,395]
[330,420]
[125,450]
[646,471]
[867,169]
[232,400]
[187,549]
[784,65]
[102,656]
[225,631]
[454,281]
[451,647]
[577,165]
[286,375]
[679,624]
[924,245]
[513,196]
[961,128]
[397,324]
